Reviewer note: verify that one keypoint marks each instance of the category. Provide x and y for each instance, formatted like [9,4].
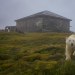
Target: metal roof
[46,13]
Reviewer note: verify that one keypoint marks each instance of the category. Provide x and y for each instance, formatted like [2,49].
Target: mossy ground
[34,54]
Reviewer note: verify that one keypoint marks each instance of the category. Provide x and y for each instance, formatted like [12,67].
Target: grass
[34,54]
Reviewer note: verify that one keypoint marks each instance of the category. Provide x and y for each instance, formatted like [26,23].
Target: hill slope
[34,54]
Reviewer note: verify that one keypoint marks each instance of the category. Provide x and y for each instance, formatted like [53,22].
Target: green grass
[34,54]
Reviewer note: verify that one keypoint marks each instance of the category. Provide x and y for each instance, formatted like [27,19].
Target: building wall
[56,25]
[43,24]
[30,25]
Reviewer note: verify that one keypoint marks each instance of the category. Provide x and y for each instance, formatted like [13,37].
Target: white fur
[70,47]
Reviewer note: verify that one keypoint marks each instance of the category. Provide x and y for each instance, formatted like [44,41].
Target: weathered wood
[43,23]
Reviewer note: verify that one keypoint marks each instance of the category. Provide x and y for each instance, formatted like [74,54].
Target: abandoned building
[10,28]
[45,21]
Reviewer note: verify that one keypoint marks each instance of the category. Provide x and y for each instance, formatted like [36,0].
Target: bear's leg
[68,53]
[74,53]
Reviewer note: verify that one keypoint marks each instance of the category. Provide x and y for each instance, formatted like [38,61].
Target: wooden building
[10,28]
[44,21]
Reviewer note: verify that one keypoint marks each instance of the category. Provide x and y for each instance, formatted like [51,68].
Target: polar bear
[70,47]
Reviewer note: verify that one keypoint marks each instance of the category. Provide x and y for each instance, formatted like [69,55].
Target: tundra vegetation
[34,54]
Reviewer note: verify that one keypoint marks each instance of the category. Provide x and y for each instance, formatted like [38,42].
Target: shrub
[45,67]
[68,68]
[4,57]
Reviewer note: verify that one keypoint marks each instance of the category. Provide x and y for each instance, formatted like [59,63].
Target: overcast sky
[10,10]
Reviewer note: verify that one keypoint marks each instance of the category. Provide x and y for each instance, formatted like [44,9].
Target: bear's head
[71,40]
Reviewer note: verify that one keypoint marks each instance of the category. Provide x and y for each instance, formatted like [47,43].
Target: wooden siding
[43,24]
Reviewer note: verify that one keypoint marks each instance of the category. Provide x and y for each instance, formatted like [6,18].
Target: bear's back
[72,36]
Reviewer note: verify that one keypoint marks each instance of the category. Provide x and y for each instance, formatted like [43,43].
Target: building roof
[10,27]
[46,13]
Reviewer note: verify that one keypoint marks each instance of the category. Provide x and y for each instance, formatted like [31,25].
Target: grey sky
[11,10]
